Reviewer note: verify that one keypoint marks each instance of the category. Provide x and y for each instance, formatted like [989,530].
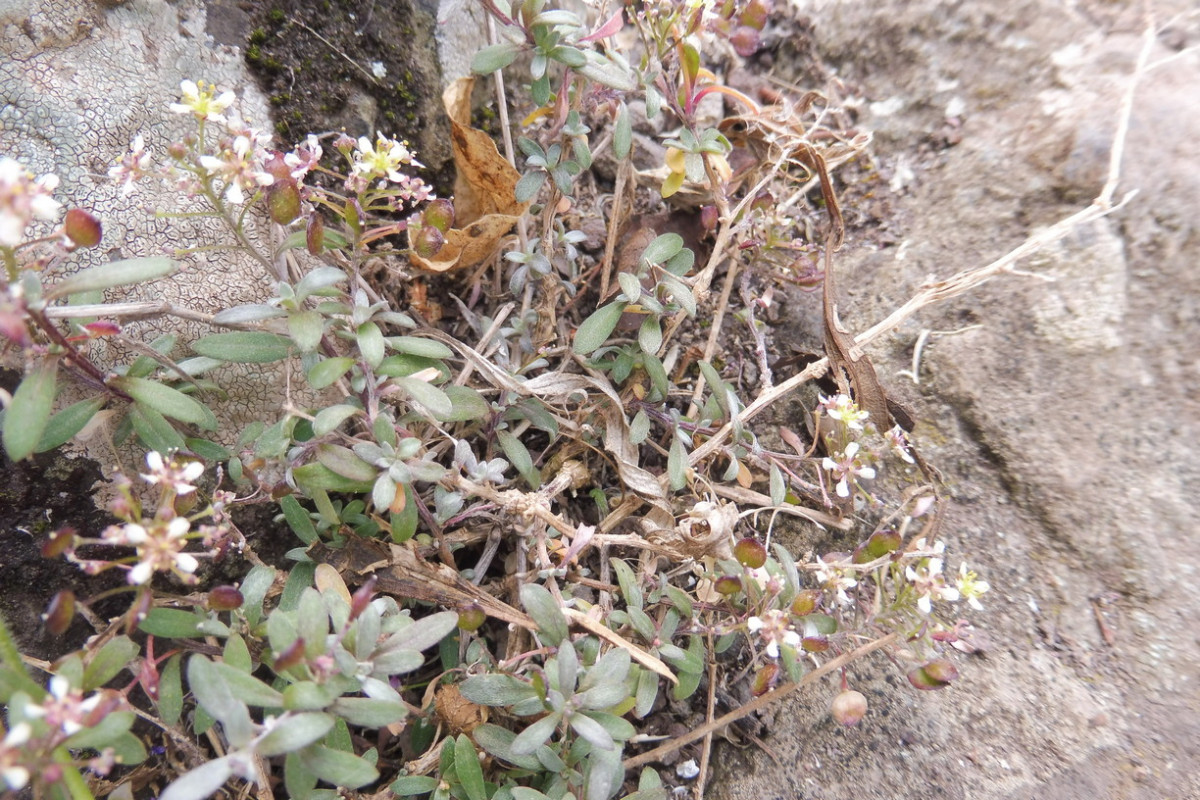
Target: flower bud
[440,214]
[806,602]
[471,618]
[937,674]
[710,218]
[82,228]
[277,168]
[283,201]
[756,14]
[750,552]
[849,707]
[428,241]
[292,655]
[225,598]
[728,585]
[60,612]
[59,542]
[362,598]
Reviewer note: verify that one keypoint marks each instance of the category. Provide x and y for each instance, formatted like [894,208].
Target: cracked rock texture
[79,79]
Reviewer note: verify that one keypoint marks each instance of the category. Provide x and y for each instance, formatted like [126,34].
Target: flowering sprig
[848,468]
[159,539]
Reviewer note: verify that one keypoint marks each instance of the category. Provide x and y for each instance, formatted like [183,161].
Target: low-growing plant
[583,506]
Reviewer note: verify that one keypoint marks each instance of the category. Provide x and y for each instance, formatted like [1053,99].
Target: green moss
[253,54]
[277,16]
[258,36]
[280,99]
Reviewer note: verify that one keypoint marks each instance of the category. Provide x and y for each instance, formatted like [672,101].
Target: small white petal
[186,562]
[141,573]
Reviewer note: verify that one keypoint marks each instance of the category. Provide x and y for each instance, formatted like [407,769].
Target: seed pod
[849,707]
[764,680]
[728,585]
[471,618]
[440,214]
[292,655]
[315,234]
[937,674]
[283,201]
[82,228]
[225,598]
[428,241]
[805,602]
[750,553]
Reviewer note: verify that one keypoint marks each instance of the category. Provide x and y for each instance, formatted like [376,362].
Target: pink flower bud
[225,598]
[60,613]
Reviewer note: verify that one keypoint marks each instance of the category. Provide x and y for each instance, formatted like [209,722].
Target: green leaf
[647,693]
[340,768]
[127,749]
[154,430]
[603,774]
[244,347]
[308,696]
[327,371]
[494,57]
[516,451]
[428,631]
[408,785]
[212,692]
[330,419]
[253,312]
[114,273]
[171,623]
[591,730]
[369,712]
[428,395]
[496,690]
[467,403]
[536,735]
[370,343]
[297,777]
[418,346]
[295,731]
[529,184]
[209,451]
[663,248]
[298,519]
[27,415]
[650,335]
[246,688]
[541,605]
[200,783]
[170,691]
[622,134]
[677,463]
[306,328]
[498,742]
[466,764]
[110,659]
[630,589]
[594,330]
[101,733]
[344,462]
[166,401]
[318,281]
[68,422]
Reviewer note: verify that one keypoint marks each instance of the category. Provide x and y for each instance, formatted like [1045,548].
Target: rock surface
[1063,411]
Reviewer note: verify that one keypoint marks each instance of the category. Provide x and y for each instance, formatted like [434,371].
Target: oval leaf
[294,732]
[27,415]
[594,330]
[167,401]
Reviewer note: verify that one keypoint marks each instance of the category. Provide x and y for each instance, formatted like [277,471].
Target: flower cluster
[22,200]
[161,539]
[848,468]
[385,160]
[774,627]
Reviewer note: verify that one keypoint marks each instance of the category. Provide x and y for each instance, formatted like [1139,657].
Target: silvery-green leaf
[319,279]
[591,730]
[663,248]
[68,422]
[622,134]
[466,765]
[252,312]
[541,605]
[594,331]
[650,335]
[340,768]
[166,401]
[329,419]
[493,57]
[200,783]
[306,328]
[496,690]
[244,347]
[536,735]
[326,371]
[428,395]
[498,742]
[368,712]
[112,274]
[296,730]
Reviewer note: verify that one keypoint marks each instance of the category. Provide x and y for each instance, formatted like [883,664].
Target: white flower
[845,411]
[22,200]
[160,549]
[384,158]
[970,587]
[775,628]
[304,157]
[12,751]
[927,579]
[848,469]
[240,165]
[133,165]
[201,101]
[835,580]
[179,477]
